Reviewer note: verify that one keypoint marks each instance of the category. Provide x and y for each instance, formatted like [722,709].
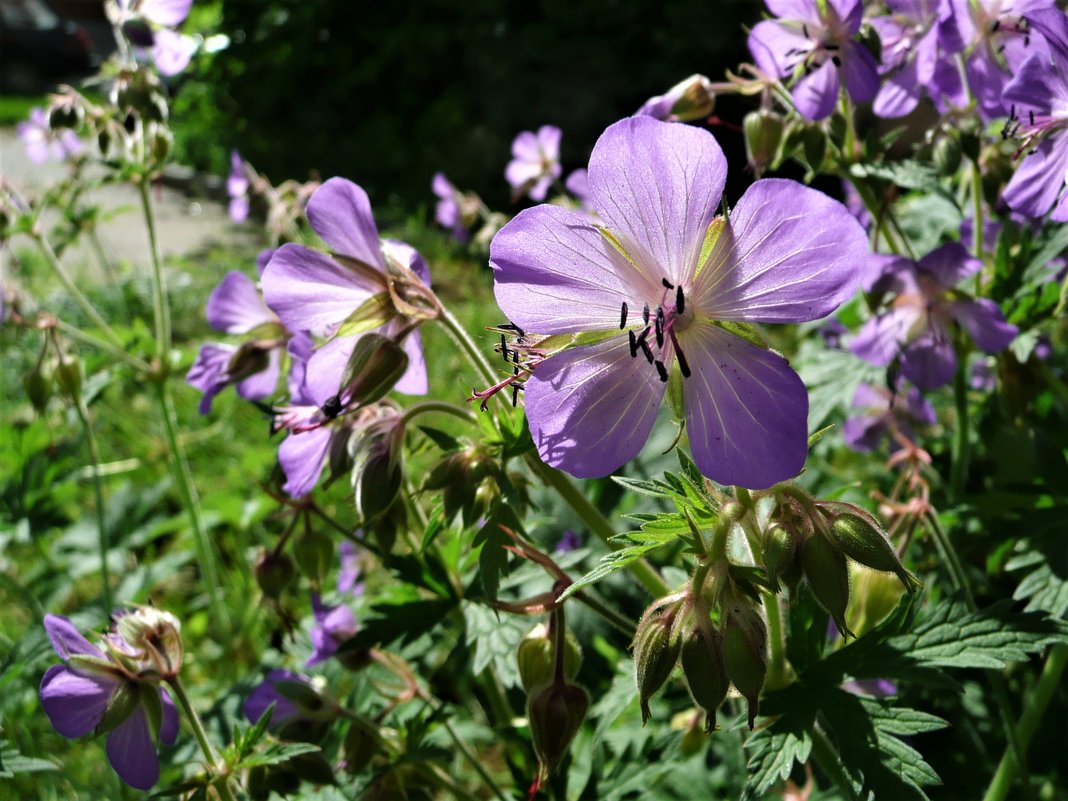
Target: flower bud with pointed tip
[656,650]
[359,748]
[555,714]
[946,155]
[705,670]
[857,538]
[69,377]
[537,661]
[745,646]
[780,552]
[38,386]
[375,366]
[763,133]
[828,576]
[274,571]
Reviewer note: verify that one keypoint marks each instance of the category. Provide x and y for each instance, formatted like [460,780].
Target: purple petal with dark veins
[340,213]
[235,305]
[132,752]
[309,291]
[75,701]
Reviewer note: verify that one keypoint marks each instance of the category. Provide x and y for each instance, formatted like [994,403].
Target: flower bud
[274,571]
[745,654]
[555,714]
[161,141]
[815,146]
[66,113]
[314,552]
[946,155]
[69,377]
[656,649]
[763,133]
[157,634]
[536,658]
[120,706]
[250,358]
[780,552]
[376,365]
[693,99]
[828,576]
[872,597]
[377,466]
[705,670]
[862,542]
[359,748]
[38,386]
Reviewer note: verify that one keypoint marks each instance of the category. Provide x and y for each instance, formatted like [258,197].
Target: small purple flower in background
[832,332]
[982,377]
[237,185]
[535,163]
[449,210]
[44,144]
[348,578]
[812,42]
[918,39]
[884,414]
[333,625]
[150,24]
[916,325]
[570,541]
[93,682]
[1038,98]
[689,99]
[235,307]
[999,39]
[649,289]
[277,689]
[878,688]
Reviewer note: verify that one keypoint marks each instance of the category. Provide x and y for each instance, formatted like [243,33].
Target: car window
[28,15]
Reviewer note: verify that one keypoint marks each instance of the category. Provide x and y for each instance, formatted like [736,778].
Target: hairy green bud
[828,576]
[536,658]
[780,553]
[745,646]
[862,542]
[763,133]
[705,670]
[656,650]
[555,714]
[274,571]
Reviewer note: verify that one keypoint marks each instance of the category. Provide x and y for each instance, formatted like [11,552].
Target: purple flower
[663,283]
[42,143]
[917,42]
[998,40]
[235,307]
[1038,97]
[449,211]
[915,325]
[535,163]
[983,377]
[149,24]
[832,332]
[570,541]
[879,688]
[95,692]
[333,625]
[237,188]
[813,41]
[348,578]
[312,291]
[883,413]
[286,710]
[690,99]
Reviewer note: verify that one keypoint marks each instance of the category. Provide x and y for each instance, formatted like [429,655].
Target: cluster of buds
[549,657]
[470,480]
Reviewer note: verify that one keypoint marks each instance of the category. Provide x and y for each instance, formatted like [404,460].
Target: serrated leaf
[495,639]
[774,749]
[1045,576]
[276,753]
[12,762]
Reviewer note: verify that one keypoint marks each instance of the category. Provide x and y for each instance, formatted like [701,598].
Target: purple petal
[263,258]
[170,13]
[339,622]
[66,638]
[746,410]
[788,254]
[265,694]
[919,408]
[950,264]
[769,42]
[340,213]
[310,291]
[860,72]
[849,12]
[864,433]
[168,727]
[302,457]
[210,372]
[657,185]
[238,208]
[525,147]
[549,142]
[578,184]
[132,752]
[414,381]
[325,369]
[881,338]
[172,51]
[235,306]
[985,323]
[75,702]
[929,361]
[263,384]
[807,11]
[1039,179]
[555,273]
[900,92]
[815,94]
[591,408]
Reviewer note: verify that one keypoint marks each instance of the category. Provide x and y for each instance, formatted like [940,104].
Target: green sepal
[122,704]
[747,331]
[372,313]
[148,695]
[375,366]
[712,234]
[676,395]
[299,693]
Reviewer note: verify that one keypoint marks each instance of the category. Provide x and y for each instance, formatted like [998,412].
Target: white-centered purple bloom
[812,42]
[150,24]
[1038,101]
[99,691]
[916,326]
[44,144]
[661,284]
[449,211]
[237,186]
[918,39]
[535,162]
[333,625]
[999,40]
[236,307]
[883,413]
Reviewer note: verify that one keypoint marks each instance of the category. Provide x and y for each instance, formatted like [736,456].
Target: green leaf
[1044,563]
[12,762]
[774,749]
[276,753]
[495,639]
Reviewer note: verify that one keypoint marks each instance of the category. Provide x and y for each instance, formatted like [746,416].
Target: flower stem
[160,308]
[188,491]
[88,339]
[958,476]
[98,491]
[472,760]
[826,756]
[1048,683]
[72,289]
[470,349]
[223,786]
[597,523]
[437,406]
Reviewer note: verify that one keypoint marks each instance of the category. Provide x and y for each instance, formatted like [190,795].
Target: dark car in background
[39,48]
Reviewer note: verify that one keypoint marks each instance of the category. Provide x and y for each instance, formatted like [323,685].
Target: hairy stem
[958,475]
[826,756]
[443,407]
[160,309]
[222,786]
[72,289]
[76,333]
[98,491]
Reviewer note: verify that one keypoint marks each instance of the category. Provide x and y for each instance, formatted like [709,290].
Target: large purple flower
[667,282]
[883,413]
[42,143]
[1038,98]
[535,162]
[812,41]
[916,324]
[313,291]
[235,307]
[149,25]
[94,692]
